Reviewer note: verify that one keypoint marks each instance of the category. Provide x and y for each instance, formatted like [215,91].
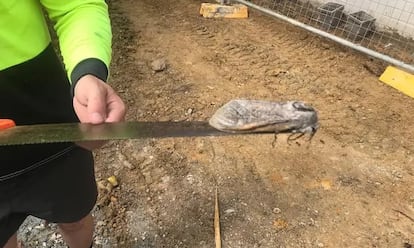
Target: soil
[351,186]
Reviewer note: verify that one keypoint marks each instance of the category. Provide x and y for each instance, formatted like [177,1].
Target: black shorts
[61,191]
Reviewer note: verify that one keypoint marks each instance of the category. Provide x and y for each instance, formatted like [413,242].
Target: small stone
[113,181]
[125,161]
[159,65]
[325,45]
[190,178]
[280,224]
[40,226]
[229,211]
[101,185]
[53,237]
[277,210]
[109,188]
[312,222]
[128,165]
[100,223]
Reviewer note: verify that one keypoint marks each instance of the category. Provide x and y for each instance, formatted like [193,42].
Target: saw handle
[6,123]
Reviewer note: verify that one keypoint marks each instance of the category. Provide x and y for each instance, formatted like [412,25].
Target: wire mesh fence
[384,26]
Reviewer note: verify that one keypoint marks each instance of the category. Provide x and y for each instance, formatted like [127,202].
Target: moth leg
[288,139]
[294,136]
[274,140]
[311,135]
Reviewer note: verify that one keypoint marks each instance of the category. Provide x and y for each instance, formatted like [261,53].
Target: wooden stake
[217,223]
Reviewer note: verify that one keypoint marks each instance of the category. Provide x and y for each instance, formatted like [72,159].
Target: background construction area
[352,186]
[385,28]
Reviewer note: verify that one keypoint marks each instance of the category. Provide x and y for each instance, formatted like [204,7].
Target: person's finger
[80,110]
[116,109]
[96,106]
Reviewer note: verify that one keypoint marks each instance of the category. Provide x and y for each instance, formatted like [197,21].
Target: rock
[113,181]
[101,185]
[280,224]
[128,164]
[113,199]
[277,210]
[54,237]
[229,211]
[100,223]
[159,65]
[41,226]
[125,162]
[190,178]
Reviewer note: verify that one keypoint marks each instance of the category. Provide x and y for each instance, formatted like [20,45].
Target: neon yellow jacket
[83,28]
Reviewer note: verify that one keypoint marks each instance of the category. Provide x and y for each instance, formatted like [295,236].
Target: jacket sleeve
[84,32]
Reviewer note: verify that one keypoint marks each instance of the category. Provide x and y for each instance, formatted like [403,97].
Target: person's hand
[96,102]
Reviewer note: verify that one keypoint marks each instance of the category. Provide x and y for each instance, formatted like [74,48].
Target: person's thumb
[97,108]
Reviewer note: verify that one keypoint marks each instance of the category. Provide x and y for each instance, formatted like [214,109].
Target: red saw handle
[6,123]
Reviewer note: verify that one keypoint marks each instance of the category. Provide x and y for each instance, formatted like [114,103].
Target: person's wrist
[88,83]
[90,66]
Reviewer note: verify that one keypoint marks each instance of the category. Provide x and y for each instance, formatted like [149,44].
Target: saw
[77,132]
[234,118]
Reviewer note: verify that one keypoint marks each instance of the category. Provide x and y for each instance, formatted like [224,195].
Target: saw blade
[77,132]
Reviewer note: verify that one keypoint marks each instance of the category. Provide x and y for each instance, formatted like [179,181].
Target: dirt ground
[352,186]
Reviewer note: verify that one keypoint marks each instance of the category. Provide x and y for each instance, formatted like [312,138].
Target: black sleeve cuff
[90,66]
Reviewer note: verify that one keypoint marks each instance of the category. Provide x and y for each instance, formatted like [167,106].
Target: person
[54,182]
